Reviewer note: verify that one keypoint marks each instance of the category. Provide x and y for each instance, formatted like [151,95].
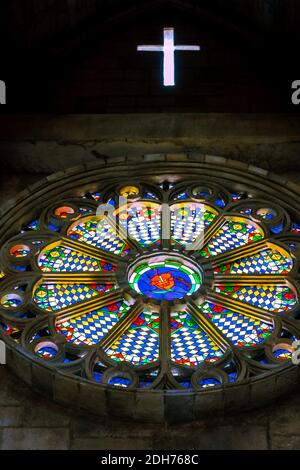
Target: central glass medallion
[165,277]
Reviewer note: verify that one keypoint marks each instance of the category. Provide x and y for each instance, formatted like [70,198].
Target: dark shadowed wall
[80,56]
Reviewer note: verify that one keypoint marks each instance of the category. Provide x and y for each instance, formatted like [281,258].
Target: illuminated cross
[169,54]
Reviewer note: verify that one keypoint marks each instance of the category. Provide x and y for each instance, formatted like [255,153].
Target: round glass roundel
[103,285]
[164,278]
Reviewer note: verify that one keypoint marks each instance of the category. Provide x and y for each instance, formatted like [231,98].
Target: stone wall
[46,144]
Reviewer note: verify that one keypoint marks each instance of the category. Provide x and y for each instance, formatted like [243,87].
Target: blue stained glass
[236,197]
[189,220]
[85,210]
[164,280]
[20,268]
[272,298]
[209,382]
[220,203]
[120,382]
[140,343]
[36,335]
[95,195]
[64,259]
[191,346]
[163,272]
[232,235]
[46,352]
[97,376]
[90,327]
[247,211]
[99,233]
[111,202]
[34,225]
[282,354]
[232,377]
[204,194]
[182,195]
[296,228]
[186,384]
[277,229]
[181,284]
[10,301]
[267,261]
[54,297]
[149,195]
[240,329]
[53,227]
[143,221]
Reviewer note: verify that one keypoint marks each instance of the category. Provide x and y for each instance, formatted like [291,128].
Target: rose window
[168,285]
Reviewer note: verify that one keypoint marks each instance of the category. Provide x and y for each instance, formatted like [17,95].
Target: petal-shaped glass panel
[60,258]
[272,298]
[240,329]
[233,234]
[189,220]
[269,261]
[143,222]
[190,345]
[97,232]
[140,343]
[89,328]
[55,297]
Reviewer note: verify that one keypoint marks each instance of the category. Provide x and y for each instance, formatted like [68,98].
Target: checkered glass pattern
[55,297]
[89,328]
[264,262]
[272,298]
[140,343]
[191,346]
[239,329]
[100,234]
[188,221]
[143,222]
[232,235]
[63,259]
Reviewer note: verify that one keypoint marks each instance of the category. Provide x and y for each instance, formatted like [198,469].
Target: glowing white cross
[169,54]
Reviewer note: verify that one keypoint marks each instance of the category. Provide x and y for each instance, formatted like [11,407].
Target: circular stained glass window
[155,297]
[163,277]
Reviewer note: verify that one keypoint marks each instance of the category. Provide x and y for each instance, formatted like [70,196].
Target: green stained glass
[183,286]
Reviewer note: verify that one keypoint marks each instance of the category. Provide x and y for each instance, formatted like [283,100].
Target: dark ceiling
[44,36]
[34,21]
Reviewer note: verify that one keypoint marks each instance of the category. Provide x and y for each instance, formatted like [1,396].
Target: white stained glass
[168,49]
